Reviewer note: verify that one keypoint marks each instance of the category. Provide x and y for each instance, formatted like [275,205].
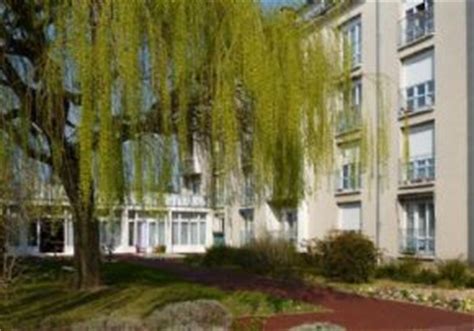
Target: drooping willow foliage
[248,85]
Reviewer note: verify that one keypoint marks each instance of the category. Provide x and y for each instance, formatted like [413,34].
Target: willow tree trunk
[86,227]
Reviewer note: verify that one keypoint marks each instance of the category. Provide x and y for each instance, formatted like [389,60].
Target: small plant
[407,269]
[454,271]
[160,249]
[348,256]
[190,315]
[427,276]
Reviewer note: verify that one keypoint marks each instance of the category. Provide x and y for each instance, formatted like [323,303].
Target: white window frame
[352,38]
[419,236]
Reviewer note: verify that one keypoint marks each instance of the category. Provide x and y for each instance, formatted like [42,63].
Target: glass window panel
[184,233]
[152,240]
[194,233]
[116,233]
[421,89]
[161,233]
[422,220]
[131,232]
[33,234]
[202,233]
[431,220]
[175,235]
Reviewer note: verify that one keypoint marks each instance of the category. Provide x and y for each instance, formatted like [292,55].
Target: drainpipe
[377,124]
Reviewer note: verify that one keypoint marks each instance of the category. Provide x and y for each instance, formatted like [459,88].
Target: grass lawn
[45,293]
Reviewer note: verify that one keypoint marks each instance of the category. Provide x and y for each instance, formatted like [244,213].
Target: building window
[131,233]
[417,233]
[161,233]
[350,216]
[348,177]
[193,184]
[248,233]
[350,118]
[189,229]
[289,224]
[352,36]
[33,234]
[418,164]
[418,92]
[418,21]
[152,234]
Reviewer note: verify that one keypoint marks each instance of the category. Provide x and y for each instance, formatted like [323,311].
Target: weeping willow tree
[83,79]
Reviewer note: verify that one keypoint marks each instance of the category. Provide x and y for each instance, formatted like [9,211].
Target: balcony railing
[349,120]
[416,26]
[418,170]
[348,179]
[417,97]
[412,244]
[184,200]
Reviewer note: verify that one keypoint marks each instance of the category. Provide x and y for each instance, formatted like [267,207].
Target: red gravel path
[351,311]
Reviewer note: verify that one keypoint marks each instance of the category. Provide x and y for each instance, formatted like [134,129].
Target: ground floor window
[289,224]
[33,233]
[189,229]
[417,231]
[110,233]
[248,232]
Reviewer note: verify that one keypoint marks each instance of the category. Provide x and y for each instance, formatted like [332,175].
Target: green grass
[45,295]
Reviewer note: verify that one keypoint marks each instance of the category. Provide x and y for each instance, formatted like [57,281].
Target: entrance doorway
[52,236]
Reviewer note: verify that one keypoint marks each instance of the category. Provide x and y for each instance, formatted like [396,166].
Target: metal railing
[418,169]
[417,97]
[350,180]
[412,244]
[416,26]
[349,120]
[183,200]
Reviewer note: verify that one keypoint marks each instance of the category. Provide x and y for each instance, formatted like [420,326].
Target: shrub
[270,256]
[190,315]
[427,276]
[455,271]
[347,256]
[220,255]
[407,269]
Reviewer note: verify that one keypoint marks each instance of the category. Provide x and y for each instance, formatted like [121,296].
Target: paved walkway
[351,311]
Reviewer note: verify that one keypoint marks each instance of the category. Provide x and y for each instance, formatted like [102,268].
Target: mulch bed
[351,311]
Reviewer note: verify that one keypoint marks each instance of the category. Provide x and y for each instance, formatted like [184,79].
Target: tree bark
[86,227]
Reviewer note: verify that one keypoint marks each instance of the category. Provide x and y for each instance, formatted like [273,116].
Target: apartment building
[419,55]
[180,221]
[413,67]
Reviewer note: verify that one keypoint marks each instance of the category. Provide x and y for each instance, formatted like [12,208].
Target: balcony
[416,26]
[418,170]
[417,98]
[349,121]
[348,179]
[410,243]
[184,200]
[191,166]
